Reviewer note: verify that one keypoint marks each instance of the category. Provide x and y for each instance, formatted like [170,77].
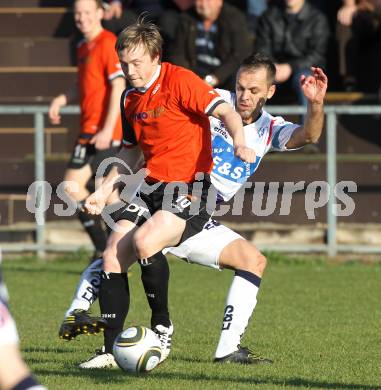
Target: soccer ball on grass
[137,350]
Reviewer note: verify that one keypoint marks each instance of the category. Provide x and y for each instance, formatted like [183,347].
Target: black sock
[93,224]
[114,301]
[155,278]
[26,383]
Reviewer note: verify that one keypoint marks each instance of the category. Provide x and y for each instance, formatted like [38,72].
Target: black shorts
[189,201]
[84,154]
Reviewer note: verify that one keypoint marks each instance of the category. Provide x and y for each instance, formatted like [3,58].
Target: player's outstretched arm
[314,88]
[128,161]
[233,124]
[95,202]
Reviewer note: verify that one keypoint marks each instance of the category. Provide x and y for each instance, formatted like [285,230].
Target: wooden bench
[49,133]
[38,81]
[36,51]
[36,22]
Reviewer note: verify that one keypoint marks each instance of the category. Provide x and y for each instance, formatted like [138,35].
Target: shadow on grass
[48,350]
[118,376]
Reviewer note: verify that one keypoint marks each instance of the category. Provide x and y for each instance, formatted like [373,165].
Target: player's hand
[314,86]
[283,72]
[54,109]
[244,153]
[102,139]
[346,13]
[95,203]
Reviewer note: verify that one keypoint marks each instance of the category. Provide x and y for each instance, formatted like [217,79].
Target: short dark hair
[141,32]
[259,60]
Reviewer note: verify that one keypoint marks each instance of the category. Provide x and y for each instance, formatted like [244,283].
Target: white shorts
[8,331]
[205,247]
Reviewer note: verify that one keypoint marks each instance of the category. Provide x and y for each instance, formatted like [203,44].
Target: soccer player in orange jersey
[100,84]
[165,115]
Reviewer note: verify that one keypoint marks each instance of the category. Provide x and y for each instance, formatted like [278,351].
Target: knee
[142,246]
[254,262]
[110,262]
[261,263]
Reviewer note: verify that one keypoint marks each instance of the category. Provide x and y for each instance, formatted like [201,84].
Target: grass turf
[319,321]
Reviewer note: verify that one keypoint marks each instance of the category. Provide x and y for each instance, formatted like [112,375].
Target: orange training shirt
[98,65]
[169,121]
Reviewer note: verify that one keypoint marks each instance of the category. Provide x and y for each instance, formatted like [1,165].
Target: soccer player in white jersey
[263,133]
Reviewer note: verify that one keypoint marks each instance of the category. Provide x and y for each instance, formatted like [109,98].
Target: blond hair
[141,32]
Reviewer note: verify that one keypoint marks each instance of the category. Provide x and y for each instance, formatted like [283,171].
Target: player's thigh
[119,253]
[161,230]
[79,176]
[205,247]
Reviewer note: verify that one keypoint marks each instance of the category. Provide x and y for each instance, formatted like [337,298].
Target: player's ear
[271,91]
[156,59]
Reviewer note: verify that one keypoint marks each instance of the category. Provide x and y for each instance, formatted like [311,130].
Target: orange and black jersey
[169,121]
[98,65]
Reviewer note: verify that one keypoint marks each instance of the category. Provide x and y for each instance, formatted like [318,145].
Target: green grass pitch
[320,322]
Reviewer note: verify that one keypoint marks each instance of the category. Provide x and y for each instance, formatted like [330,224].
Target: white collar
[154,78]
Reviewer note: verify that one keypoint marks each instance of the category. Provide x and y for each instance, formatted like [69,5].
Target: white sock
[240,304]
[88,287]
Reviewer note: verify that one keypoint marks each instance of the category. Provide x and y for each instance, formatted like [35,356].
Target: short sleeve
[112,65]
[280,133]
[194,94]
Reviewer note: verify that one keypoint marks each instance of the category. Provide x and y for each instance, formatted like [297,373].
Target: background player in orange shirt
[165,115]
[100,84]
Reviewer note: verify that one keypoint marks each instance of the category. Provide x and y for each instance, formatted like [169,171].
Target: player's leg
[101,163]
[179,213]
[92,224]
[118,256]
[155,278]
[229,250]
[148,244]
[249,265]
[163,229]
[114,295]
[77,319]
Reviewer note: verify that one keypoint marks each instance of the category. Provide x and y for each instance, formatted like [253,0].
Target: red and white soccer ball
[137,350]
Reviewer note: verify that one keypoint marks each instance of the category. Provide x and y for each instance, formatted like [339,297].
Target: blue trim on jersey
[229,166]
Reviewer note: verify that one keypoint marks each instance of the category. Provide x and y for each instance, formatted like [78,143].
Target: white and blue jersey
[266,134]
